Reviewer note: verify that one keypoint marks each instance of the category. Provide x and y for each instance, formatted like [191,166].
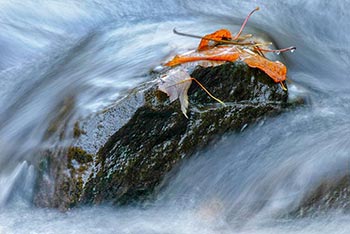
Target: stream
[91,52]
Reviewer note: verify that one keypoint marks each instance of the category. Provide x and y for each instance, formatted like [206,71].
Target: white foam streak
[21,176]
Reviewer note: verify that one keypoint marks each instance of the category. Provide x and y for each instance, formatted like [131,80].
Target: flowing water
[88,53]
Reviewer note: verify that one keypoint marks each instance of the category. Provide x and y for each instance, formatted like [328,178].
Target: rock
[330,194]
[121,154]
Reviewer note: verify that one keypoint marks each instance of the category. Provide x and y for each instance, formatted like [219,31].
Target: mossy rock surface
[144,135]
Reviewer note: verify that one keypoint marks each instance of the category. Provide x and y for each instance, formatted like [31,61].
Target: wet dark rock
[330,194]
[121,154]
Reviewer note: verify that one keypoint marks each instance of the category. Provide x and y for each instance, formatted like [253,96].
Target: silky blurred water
[80,56]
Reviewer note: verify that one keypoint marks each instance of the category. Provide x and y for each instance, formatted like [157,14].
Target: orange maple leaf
[208,41]
[221,46]
[276,70]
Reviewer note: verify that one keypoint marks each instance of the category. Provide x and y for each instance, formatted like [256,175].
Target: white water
[92,51]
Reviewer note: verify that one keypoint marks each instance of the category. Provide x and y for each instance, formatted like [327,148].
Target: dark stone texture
[330,194]
[133,144]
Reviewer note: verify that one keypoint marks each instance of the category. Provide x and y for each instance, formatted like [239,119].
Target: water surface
[82,56]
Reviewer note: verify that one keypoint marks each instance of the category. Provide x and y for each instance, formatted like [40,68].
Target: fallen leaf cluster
[215,49]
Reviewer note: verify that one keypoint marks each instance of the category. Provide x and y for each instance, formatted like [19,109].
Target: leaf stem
[210,95]
[244,23]
[292,48]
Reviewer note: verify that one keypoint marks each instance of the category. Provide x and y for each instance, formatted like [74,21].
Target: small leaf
[175,84]
[206,43]
[222,53]
[275,70]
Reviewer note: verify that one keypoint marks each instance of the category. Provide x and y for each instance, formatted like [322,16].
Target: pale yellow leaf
[175,83]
